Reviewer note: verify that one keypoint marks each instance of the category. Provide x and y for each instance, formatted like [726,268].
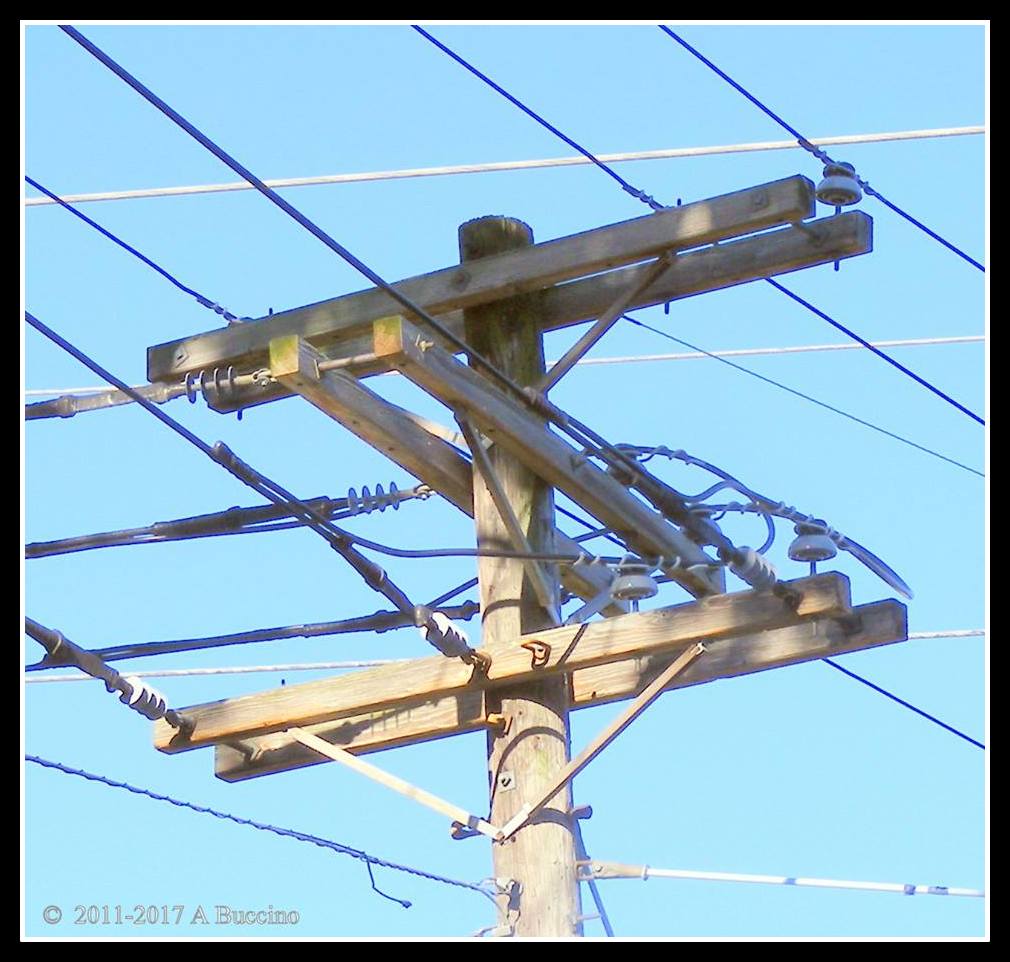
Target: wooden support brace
[518,431]
[565,649]
[419,795]
[693,272]
[493,278]
[655,688]
[294,363]
[605,322]
[868,626]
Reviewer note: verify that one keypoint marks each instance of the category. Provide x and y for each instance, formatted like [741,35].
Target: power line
[647,199]
[592,442]
[670,153]
[130,249]
[341,849]
[233,670]
[516,102]
[876,350]
[806,397]
[646,358]
[379,621]
[347,665]
[817,152]
[903,703]
[613,870]
[341,542]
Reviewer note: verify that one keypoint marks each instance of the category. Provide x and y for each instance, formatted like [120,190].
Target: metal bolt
[506,781]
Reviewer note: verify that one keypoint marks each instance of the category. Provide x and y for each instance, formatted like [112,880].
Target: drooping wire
[902,702]
[817,151]
[647,199]
[130,249]
[338,847]
[804,396]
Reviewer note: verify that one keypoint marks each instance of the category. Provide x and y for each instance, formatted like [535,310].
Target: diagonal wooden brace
[419,795]
[516,429]
[294,363]
[603,739]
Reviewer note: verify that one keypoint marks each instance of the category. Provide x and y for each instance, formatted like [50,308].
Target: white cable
[34,679]
[237,670]
[960,633]
[641,358]
[668,154]
[647,872]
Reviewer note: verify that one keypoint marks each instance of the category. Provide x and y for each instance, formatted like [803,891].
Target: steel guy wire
[129,248]
[338,847]
[817,151]
[647,199]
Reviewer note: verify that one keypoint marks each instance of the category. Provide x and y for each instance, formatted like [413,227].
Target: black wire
[129,248]
[903,703]
[816,151]
[848,332]
[337,847]
[575,429]
[641,195]
[339,540]
[275,198]
[575,145]
[800,394]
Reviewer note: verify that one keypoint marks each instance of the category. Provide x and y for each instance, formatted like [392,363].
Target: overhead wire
[804,396]
[201,299]
[338,847]
[670,153]
[816,151]
[652,203]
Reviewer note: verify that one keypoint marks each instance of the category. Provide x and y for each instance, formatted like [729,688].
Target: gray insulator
[441,633]
[812,546]
[633,584]
[839,188]
[753,568]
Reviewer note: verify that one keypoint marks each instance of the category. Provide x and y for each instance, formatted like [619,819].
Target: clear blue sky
[797,772]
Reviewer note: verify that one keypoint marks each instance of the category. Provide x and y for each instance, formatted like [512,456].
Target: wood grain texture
[568,649]
[870,626]
[514,428]
[536,740]
[391,430]
[577,302]
[494,278]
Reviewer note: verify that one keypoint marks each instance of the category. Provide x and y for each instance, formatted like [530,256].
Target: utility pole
[501,467]
[535,743]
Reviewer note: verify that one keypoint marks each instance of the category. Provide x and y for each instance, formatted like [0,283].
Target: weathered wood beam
[563,649]
[515,429]
[869,626]
[692,225]
[694,272]
[390,429]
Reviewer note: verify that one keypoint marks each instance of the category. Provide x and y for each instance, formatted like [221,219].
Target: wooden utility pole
[535,745]
[529,672]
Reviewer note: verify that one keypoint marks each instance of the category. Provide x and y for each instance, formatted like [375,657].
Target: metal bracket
[541,652]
